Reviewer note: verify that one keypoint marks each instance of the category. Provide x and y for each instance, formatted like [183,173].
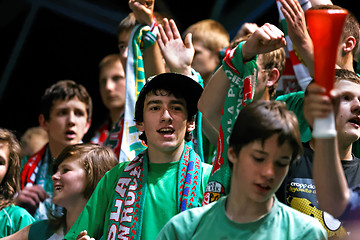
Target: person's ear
[140,126]
[232,156]
[349,44]
[42,122]
[274,76]
[87,127]
[190,126]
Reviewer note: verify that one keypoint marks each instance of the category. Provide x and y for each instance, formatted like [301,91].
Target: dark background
[43,41]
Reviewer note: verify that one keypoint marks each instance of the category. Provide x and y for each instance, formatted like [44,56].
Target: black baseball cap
[176,83]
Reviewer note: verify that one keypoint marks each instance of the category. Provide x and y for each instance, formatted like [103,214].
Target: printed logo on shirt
[301,195]
[214,190]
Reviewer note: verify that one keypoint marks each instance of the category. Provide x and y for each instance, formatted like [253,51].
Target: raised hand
[178,55]
[265,39]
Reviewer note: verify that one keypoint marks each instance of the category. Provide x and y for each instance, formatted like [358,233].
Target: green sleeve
[94,217]
[295,102]
[206,173]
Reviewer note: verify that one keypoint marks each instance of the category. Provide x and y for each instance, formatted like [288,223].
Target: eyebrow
[160,102]
[265,153]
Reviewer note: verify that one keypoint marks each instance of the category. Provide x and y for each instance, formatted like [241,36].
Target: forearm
[211,102]
[331,186]
[153,61]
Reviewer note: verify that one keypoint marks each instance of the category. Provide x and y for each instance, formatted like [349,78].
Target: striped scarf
[130,193]
[243,78]
[301,71]
[140,38]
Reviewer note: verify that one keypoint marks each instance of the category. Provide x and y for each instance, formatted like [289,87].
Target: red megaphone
[325,28]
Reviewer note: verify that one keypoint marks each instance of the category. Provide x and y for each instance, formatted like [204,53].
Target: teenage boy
[112,83]
[265,140]
[332,190]
[137,198]
[65,114]
[298,189]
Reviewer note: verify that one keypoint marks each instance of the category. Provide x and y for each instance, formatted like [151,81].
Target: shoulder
[16,212]
[184,224]
[290,97]
[15,217]
[303,224]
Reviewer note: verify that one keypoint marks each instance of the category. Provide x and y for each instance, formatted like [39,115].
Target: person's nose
[268,170]
[355,106]
[56,176]
[166,116]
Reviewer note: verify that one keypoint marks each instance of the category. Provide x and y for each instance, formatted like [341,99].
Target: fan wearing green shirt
[265,140]
[137,198]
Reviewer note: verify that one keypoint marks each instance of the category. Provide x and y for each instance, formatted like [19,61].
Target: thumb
[188,41]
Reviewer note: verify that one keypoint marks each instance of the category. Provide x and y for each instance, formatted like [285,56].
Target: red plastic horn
[325,28]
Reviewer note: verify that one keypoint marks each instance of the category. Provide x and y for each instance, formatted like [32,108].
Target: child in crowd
[264,142]
[76,172]
[112,83]
[299,189]
[65,114]
[137,198]
[12,218]
[208,38]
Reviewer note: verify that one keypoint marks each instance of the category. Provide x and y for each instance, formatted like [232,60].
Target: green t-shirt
[12,219]
[295,102]
[45,230]
[211,222]
[160,202]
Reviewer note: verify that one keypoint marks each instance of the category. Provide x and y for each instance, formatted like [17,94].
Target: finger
[174,29]
[40,192]
[81,234]
[162,39]
[168,30]
[188,41]
[275,34]
[287,10]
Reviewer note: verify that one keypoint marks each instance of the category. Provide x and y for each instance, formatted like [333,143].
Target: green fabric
[162,190]
[243,78]
[95,216]
[43,230]
[12,219]
[295,102]
[211,222]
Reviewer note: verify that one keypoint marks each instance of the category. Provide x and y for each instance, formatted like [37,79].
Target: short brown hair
[10,185]
[95,159]
[210,33]
[65,90]
[260,120]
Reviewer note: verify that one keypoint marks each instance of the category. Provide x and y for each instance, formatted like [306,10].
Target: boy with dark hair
[137,198]
[66,110]
[264,142]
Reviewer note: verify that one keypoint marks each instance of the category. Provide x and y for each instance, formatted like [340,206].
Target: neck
[346,62]
[73,212]
[242,210]
[266,95]
[55,149]
[115,115]
[160,156]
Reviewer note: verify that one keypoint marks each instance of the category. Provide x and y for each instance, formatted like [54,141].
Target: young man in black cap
[137,198]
